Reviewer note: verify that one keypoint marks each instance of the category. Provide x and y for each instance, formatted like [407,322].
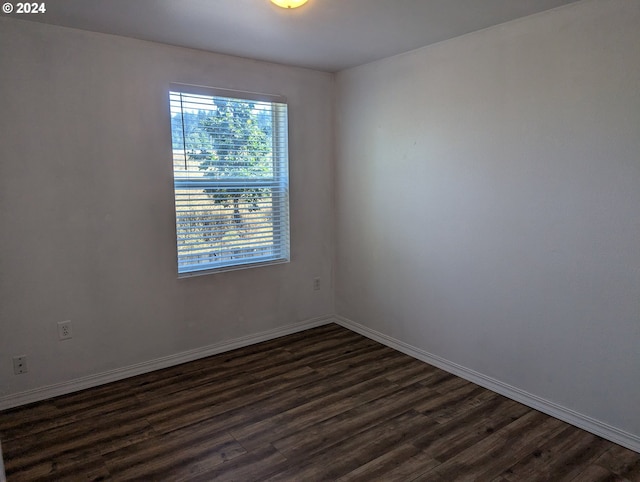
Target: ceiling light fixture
[289,3]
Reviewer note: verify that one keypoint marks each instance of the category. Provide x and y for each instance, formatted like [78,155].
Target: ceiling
[329,35]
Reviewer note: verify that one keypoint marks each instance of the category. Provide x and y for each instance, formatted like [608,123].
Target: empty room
[320,240]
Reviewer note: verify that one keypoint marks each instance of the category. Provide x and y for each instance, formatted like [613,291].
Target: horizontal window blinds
[231,181]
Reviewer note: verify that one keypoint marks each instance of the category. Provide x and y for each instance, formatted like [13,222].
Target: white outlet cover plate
[64,330]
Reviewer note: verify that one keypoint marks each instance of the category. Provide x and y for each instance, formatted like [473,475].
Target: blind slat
[232,247]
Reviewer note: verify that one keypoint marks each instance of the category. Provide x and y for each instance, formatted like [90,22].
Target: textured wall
[488,204]
[87,226]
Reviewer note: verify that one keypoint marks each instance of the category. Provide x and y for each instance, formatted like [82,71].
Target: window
[231,181]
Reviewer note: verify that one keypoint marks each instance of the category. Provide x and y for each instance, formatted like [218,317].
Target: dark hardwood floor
[324,404]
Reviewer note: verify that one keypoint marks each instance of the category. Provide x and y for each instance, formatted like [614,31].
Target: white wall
[87,227]
[488,204]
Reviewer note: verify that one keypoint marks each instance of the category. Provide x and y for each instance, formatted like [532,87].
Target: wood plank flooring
[324,404]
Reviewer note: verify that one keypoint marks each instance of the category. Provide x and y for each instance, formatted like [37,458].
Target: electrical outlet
[20,364]
[316,283]
[64,330]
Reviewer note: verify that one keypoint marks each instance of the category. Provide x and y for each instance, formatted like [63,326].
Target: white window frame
[279,184]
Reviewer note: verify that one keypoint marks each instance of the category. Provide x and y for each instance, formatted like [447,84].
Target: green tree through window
[240,149]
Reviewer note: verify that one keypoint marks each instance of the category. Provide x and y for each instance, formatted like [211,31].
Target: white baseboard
[589,424]
[572,417]
[63,388]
